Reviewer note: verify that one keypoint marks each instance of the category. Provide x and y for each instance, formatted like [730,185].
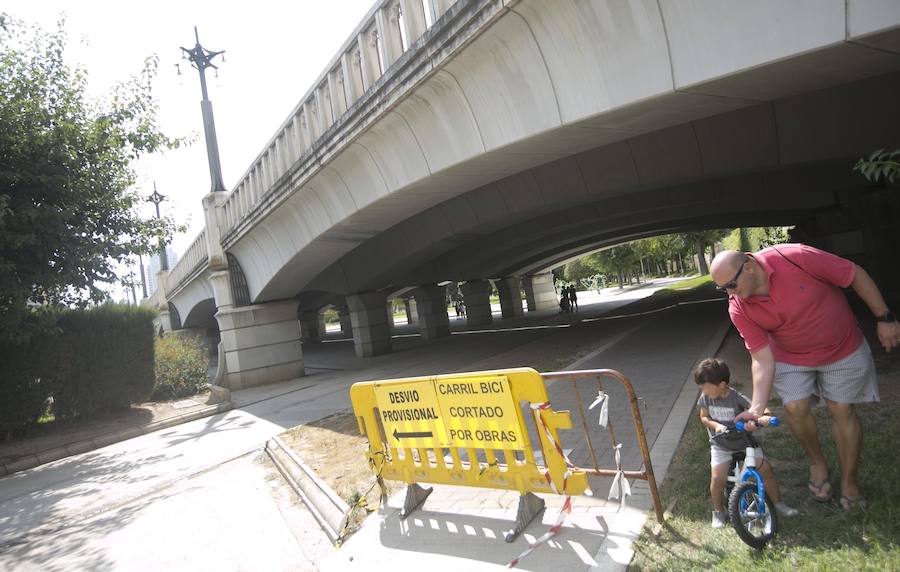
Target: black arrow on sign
[398,435]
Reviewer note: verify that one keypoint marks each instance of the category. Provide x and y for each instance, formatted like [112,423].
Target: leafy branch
[880,164]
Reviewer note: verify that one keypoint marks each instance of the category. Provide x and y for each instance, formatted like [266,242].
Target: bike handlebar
[740,425]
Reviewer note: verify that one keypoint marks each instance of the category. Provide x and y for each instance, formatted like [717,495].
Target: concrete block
[261,334]
[265,375]
[263,356]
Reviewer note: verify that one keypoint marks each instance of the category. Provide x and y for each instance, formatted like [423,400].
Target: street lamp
[201,58]
[157,198]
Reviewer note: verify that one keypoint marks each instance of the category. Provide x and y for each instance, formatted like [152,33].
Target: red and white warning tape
[566,509]
[567,504]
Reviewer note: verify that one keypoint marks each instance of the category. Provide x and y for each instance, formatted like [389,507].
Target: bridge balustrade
[385,34]
[195,257]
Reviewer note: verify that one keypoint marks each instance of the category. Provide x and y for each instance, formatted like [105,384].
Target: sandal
[815,490]
[850,503]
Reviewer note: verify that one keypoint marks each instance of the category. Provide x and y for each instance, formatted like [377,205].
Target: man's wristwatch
[888,316]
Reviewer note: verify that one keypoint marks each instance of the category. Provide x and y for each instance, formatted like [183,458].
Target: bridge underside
[771,163]
[563,126]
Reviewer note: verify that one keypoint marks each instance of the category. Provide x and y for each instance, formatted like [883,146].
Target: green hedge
[181,367]
[22,387]
[105,359]
[92,360]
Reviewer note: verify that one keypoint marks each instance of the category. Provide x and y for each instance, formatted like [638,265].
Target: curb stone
[329,510]
[76,447]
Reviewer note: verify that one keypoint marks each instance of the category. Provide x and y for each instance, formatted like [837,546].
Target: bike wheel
[754,526]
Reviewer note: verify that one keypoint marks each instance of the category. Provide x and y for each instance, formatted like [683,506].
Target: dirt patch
[334,449]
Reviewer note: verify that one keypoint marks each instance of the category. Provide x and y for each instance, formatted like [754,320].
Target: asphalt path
[198,484]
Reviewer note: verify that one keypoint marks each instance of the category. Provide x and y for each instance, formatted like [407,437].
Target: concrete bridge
[492,139]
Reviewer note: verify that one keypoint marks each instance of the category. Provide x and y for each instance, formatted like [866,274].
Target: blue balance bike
[751,512]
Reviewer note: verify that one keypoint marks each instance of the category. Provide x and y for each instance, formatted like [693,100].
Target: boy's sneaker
[785,510]
[718,519]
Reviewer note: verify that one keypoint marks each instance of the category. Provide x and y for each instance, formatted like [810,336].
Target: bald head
[738,273]
[727,261]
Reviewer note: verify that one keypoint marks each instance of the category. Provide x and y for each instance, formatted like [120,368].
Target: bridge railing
[385,33]
[194,257]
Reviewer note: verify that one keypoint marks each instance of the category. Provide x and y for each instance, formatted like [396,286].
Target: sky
[274,52]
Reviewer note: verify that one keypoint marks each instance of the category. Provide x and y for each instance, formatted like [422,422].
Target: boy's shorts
[720,455]
[848,380]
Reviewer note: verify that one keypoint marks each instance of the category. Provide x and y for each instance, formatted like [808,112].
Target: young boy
[719,404]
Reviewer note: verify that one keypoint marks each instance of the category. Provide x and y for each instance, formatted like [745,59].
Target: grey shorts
[849,380]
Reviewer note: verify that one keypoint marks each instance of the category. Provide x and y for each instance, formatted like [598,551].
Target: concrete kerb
[77,447]
[329,510]
[663,449]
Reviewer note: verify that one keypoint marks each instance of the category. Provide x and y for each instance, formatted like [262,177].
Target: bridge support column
[412,310]
[539,292]
[320,324]
[164,319]
[309,327]
[371,327]
[343,313]
[510,293]
[477,297]
[431,302]
[261,343]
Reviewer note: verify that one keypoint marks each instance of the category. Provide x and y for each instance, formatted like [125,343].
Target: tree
[68,212]
[578,269]
[700,240]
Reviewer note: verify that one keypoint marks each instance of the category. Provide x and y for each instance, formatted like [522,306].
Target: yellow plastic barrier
[450,429]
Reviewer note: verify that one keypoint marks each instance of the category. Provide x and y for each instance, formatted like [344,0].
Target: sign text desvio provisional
[476,412]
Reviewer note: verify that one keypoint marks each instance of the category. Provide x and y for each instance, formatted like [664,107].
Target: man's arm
[762,367]
[865,287]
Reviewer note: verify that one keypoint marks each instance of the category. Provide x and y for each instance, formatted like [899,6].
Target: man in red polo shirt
[786,302]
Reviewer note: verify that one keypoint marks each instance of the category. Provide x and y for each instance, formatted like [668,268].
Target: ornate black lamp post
[157,198]
[201,58]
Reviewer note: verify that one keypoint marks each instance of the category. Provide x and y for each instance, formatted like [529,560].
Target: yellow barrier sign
[476,412]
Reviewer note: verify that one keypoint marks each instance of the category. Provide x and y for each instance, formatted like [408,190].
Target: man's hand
[749,417]
[755,423]
[889,335]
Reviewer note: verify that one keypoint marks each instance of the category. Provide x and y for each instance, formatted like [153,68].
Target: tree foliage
[658,255]
[68,210]
[880,164]
[700,240]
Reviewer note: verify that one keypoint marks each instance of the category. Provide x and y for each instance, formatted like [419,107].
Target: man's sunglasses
[733,283]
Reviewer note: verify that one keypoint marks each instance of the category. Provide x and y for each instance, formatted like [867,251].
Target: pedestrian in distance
[573,299]
[719,405]
[786,302]
[564,301]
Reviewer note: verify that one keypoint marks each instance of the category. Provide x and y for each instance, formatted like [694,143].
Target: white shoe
[785,510]
[718,519]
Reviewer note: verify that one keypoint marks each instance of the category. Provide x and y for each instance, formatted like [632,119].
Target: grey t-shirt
[725,409]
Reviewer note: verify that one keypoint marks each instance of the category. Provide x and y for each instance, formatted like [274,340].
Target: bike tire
[755,531]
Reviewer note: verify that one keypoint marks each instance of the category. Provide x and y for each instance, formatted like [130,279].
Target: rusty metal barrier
[646,473]
[454,429]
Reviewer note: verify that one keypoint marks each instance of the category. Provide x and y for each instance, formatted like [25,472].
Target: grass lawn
[823,536]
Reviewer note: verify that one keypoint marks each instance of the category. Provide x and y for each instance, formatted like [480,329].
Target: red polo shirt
[805,317]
